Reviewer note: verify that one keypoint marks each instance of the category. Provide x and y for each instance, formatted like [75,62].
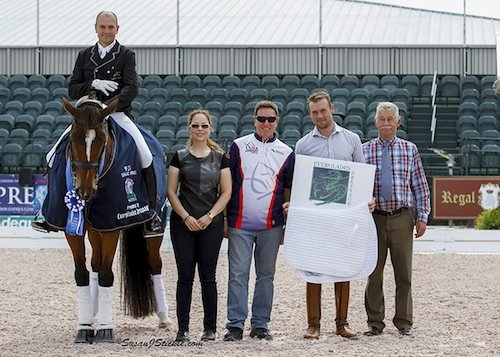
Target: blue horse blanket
[121,200]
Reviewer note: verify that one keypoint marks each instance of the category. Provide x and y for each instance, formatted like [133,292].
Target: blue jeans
[240,248]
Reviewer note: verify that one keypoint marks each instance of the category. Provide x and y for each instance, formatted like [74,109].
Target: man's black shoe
[373,331]
[153,228]
[405,331]
[42,226]
[261,333]
[233,334]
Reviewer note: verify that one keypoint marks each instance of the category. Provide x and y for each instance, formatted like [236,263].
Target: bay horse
[90,157]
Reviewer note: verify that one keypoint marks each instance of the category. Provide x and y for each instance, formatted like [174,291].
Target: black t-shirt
[199,180]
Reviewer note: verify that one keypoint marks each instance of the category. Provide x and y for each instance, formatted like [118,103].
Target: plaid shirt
[409,183]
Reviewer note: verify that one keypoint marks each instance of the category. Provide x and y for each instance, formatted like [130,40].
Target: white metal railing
[433,103]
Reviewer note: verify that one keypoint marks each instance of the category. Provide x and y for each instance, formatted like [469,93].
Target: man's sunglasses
[262,119]
[196,126]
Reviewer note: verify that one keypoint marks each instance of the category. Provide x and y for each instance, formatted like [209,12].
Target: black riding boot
[154,227]
[41,225]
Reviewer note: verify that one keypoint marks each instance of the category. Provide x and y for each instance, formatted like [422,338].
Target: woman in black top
[201,173]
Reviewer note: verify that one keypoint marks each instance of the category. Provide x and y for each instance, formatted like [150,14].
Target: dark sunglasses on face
[196,126]
[262,119]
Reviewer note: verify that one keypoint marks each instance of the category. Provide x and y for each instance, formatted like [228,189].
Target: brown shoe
[312,333]
[345,331]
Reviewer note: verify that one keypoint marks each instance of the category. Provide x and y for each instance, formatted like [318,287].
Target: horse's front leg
[105,244]
[155,264]
[85,332]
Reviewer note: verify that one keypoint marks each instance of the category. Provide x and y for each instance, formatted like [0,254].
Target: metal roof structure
[240,23]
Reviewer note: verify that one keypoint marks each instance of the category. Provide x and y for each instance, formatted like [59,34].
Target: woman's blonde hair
[210,143]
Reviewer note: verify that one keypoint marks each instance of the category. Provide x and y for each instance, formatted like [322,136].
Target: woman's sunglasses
[196,126]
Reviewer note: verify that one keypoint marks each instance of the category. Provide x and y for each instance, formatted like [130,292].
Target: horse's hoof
[84,336]
[105,335]
[167,323]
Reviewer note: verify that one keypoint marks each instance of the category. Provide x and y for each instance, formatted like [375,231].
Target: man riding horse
[108,69]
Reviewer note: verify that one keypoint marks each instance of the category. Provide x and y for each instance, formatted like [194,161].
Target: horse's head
[89,136]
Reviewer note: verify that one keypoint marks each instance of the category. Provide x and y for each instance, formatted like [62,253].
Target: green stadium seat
[34,157]
[233,108]
[279,95]
[470,82]
[54,108]
[41,136]
[239,94]
[250,83]
[60,92]
[270,82]
[148,122]
[341,95]
[151,81]
[41,95]
[190,82]
[33,107]
[171,82]
[7,122]
[25,121]
[290,82]
[199,95]
[231,82]
[310,83]
[17,81]
[19,136]
[220,94]
[56,81]
[158,95]
[45,122]
[11,157]
[390,82]
[167,122]
[487,122]
[190,106]
[370,82]
[14,108]
[215,108]
[470,95]
[61,121]
[211,82]
[152,108]
[36,81]
[165,137]
[449,86]
[290,122]
[411,84]
[349,82]
[259,94]
[330,82]
[21,94]
[173,108]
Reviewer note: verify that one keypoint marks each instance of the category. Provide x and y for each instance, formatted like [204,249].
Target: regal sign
[464,197]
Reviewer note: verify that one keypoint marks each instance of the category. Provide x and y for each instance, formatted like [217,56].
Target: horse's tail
[136,284]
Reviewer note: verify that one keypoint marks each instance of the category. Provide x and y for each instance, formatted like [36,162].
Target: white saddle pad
[331,245]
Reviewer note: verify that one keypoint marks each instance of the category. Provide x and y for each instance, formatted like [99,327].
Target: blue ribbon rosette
[75,221]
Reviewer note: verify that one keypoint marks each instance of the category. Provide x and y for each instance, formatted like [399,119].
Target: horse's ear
[111,108]
[69,107]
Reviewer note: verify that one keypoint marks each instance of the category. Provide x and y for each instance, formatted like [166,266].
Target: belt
[391,213]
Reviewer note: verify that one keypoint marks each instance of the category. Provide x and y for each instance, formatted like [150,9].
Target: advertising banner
[16,200]
[464,197]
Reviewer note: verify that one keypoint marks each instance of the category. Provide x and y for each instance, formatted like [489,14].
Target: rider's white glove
[104,86]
